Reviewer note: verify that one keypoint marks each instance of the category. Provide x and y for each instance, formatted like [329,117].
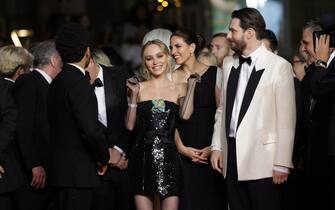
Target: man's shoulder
[118,71]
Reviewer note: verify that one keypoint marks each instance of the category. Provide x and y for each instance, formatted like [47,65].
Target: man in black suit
[14,61]
[77,139]
[110,89]
[319,84]
[30,92]
[10,178]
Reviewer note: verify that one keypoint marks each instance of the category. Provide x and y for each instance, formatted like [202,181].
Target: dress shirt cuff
[217,148]
[120,150]
[281,169]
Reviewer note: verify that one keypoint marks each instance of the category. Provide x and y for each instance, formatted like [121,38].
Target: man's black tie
[97,83]
[246,60]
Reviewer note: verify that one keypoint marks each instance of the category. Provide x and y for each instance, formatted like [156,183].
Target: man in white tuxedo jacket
[255,123]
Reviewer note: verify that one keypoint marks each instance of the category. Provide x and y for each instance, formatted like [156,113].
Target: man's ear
[88,53]
[250,32]
[192,47]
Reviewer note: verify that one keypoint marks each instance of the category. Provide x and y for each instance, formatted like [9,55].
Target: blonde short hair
[100,57]
[12,58]
[144,73]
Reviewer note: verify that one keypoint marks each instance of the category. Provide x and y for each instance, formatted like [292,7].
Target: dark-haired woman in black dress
[202,187]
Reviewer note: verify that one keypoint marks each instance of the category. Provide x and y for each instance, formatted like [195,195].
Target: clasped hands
[115,160]
[197,155]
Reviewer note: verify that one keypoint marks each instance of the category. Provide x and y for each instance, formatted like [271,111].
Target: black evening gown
[203,188]
[155,163]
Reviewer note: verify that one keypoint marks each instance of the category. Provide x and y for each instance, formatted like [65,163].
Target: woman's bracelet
[132,105]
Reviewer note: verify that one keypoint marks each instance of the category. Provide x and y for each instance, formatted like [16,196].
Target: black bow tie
[243,59]
[97,83]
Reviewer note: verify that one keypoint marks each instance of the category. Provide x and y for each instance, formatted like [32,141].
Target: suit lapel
[231,92]
[249,92]
[110,90]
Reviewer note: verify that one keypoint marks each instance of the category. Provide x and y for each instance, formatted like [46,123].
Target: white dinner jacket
[266,125]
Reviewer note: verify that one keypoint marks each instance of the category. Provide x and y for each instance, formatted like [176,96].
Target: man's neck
[80,64]
[251,47]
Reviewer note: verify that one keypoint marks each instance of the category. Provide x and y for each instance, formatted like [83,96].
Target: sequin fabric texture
[155,162]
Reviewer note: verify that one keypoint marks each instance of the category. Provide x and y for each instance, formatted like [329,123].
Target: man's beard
[238,46]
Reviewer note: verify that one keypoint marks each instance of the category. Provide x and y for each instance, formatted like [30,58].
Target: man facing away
[77,139]
[254,130]
[30,92]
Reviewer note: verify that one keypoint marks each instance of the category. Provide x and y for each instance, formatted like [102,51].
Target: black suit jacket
[30,92]
[318,87]
[116,107]
[323,86]
[77,139]
[12,178]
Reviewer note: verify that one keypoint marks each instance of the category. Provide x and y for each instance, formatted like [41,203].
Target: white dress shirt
[100,94]
[101,99]
[245,73]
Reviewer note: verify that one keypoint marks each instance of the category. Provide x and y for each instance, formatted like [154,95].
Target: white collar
[9,79]
[100,74]
[78,67]
[45,75]
[255,55]
[331,57]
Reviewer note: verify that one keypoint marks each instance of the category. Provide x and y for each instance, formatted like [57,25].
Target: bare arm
[134,88]
[186,103]
[192,153]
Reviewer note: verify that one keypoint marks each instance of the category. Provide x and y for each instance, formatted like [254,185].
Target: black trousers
[114,192]
[28,197]
[7,200]
[68,198]
[261,194]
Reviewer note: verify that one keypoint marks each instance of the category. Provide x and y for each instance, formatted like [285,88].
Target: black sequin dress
[155,163]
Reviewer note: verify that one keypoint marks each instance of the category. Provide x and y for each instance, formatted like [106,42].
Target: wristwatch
[321,63]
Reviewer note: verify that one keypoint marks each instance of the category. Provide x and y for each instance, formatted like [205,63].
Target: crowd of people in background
[227,124]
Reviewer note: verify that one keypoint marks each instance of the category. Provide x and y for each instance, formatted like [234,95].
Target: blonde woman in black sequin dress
[154,106]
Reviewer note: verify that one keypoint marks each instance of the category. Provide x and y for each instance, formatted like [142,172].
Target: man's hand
[299,68]
[102,169]
[114,157]
[217,160]
[2,171]
[123,163]
[279,177]
[322,47]
[39,176]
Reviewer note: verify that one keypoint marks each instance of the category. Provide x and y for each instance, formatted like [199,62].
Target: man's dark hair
[220,34]
[72,42]
[250,18]
[269,35]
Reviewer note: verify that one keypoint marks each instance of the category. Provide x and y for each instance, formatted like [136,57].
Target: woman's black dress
[203,187]
[155,162]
